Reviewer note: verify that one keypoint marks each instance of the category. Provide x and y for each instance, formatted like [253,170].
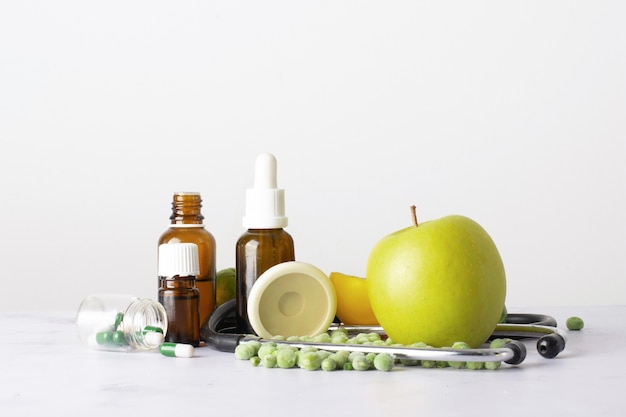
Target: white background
[511,113]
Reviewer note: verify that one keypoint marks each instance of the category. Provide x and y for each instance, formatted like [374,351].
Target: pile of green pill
[114,337]
[279,355]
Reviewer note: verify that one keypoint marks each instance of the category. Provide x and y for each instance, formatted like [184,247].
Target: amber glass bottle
[178,269]
[265,243]
[187,226]
[257,251]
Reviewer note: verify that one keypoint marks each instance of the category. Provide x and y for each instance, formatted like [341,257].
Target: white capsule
[178,350]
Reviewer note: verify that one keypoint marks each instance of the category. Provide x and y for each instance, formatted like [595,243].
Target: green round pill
[329,364]
[244,352]
[286,358]
[118,338]
[575,323]
[383,362]
[361,363]
[103,338]
[269,360]
[310,361]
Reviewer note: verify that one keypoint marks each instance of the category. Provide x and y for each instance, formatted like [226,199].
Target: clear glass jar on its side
[119,322]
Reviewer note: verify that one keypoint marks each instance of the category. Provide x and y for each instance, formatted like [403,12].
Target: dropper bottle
[265,243]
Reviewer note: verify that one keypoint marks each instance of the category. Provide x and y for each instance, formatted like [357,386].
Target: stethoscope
[219,332]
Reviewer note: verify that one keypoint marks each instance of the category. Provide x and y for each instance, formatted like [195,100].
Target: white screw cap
[178,259]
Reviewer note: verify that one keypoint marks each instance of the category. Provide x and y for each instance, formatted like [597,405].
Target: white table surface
[45,369]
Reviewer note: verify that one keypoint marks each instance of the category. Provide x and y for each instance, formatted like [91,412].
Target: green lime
[225,287]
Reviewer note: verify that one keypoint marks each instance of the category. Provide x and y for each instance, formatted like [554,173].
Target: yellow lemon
[353,304]
[224,286]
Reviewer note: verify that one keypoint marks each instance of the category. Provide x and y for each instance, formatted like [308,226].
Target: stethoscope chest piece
[291,298]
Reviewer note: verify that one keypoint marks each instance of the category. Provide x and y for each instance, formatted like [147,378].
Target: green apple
[438,282]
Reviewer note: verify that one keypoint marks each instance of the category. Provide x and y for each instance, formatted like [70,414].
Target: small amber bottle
[178,269]
[265,243]
[187,225]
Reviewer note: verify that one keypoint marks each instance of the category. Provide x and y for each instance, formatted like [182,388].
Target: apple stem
[414,216]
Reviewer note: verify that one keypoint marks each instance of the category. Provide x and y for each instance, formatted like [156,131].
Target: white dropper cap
[178,259]
[265,204]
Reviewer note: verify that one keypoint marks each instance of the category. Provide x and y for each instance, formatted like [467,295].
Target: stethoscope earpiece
[550,345]
[519,352]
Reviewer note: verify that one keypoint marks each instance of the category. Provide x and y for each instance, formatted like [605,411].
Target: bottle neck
[178,282]
[187,209]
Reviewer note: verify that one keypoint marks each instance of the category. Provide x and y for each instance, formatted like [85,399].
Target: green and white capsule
[177,350]
[153,336]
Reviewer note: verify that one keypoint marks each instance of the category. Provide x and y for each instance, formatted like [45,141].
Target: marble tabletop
[45,368]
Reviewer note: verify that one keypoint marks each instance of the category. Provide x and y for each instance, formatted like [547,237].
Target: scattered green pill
[575,323]
[244,352]
[255,345]
[370,357]
[322,338]
[269,360]
[410,362]
[118,320]
[329,364]
[339,336]
[118,338]
[323,354]
[310,361]
[458,346]
[266,349]
[353,355]
[340,358]
[499,343]
[383,362]
[286,358]
[177,350]
[429,364]
[475,366]
[496,344]
[103,338]
[361,363]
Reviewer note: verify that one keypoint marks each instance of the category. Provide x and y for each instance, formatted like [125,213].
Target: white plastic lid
[178,259]
[292,299]
[265,204]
